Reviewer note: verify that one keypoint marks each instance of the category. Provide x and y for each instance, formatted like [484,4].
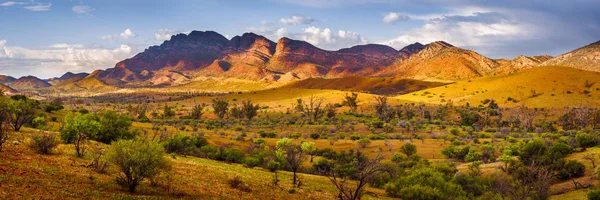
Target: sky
[48,38]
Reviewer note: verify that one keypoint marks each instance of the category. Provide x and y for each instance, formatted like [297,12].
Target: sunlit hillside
[536,87]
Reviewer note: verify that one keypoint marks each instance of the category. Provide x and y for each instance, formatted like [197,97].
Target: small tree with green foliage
[250,110]
[351,100]
[137,160]
[77,129]
[310,149]
[408,149]
[220,107]
[197,111]
[22,111]
[292,154]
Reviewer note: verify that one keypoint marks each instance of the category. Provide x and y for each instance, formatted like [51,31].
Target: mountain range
[200,54]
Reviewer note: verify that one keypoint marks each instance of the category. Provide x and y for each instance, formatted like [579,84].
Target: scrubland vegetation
[308,146]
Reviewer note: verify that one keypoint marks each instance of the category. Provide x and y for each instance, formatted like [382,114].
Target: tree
[363,143]
[310,149]
[249,109]
[168,111]
[22,111]
[4,121]
[197,111]
[221,107]
[330,110]
[361,168]
[77,129]
[273,166]
[236,112]
[292,154]
[311,108]
[533,152]
[114,126]
[137,160]
[383,110]
[408,149]
[351,100]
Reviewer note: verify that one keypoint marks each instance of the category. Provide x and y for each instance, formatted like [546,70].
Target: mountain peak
[440,44]
[370,49]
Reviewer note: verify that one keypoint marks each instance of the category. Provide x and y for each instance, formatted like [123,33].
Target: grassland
[372,85]
[537,87]
[25,174]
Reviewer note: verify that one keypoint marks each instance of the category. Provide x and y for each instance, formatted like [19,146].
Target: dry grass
[553,84]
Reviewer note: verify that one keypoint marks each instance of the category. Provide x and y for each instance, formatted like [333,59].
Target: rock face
[254,57]
[586,58]
[521,62]
[28,82]
[249,56]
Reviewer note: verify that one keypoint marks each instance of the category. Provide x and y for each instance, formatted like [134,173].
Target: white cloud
[39,7]
[471,30]
[297,20]
[394,17]
[165,34]
[65,45]
[58,59]
[128,33]
[325,38]
[322,38]
[10,3]
[82,10]
[281,32]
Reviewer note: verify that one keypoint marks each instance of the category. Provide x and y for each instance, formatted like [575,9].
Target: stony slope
[442,61]
[586,58]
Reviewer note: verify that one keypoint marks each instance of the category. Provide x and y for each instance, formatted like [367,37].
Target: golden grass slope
[392,85]
[25,174]
[548,86]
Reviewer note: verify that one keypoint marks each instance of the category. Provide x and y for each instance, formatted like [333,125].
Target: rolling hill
[586,58]
[28,82]
[385,86]
[548,86]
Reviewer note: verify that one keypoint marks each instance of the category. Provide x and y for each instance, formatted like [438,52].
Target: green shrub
[571,169]
[594,195]
[137,160]
[184,144]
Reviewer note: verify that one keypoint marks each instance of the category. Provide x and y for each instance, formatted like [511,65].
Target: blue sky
[48,38]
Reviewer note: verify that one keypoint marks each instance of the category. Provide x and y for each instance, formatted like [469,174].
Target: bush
[137,161]
[237,183]
[184,144]
[363,143]
[594,195]
[44,143]
[408,149]
[251,162]
[571,169]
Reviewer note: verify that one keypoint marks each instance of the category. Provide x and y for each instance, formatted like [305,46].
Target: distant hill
[536,87]
[28,82]
[372,85]
[586,58]
[8,90]
[6,79]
